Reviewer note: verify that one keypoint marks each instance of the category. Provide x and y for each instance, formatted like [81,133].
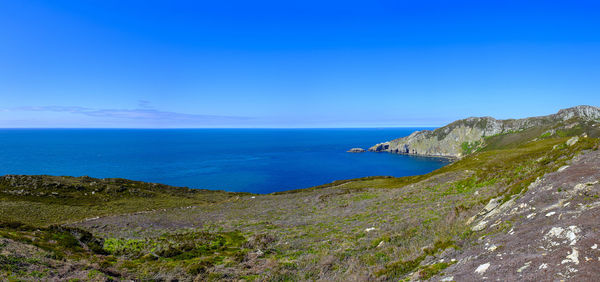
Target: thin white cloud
[145,114]
[150,117]
[144,104]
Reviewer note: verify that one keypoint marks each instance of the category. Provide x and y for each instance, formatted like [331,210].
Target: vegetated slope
[44,200]
[462,137]
[432,226]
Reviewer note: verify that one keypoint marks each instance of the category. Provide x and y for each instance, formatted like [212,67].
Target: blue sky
[165,64]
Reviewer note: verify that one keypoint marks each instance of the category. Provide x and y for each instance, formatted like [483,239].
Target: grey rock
[572,141]
[448,141]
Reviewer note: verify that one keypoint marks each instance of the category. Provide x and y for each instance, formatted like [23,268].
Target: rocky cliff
[462,137]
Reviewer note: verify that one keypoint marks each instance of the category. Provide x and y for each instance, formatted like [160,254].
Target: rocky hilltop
[465,136]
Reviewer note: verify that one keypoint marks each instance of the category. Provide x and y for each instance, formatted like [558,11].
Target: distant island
[520,202]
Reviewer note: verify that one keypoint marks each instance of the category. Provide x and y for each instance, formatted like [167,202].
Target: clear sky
[119,63]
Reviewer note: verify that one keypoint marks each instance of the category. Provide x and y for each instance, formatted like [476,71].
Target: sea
[240,160]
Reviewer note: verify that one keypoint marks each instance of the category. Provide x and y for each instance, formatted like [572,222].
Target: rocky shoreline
[466,136]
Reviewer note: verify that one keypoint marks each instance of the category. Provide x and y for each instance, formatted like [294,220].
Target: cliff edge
[465,136]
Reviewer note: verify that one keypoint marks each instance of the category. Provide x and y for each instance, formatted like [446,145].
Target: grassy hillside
[43,200]
[372,228]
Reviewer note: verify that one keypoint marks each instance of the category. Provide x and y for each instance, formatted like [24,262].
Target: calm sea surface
[250,160]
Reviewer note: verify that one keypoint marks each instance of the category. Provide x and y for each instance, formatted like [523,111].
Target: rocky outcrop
[464,136]
[548,233]
[356,150]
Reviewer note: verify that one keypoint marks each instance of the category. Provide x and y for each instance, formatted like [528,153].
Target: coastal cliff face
[465,136]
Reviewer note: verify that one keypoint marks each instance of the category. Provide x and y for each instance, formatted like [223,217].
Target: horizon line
[177,128]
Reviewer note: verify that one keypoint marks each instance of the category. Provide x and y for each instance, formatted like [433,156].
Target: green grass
[427,272]
[70,199]
[470,147]
[400,268]
[364,196]
[193,251]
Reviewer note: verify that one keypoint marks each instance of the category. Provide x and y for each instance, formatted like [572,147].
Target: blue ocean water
[249,160]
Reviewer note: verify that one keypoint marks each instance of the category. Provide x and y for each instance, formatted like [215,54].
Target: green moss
[118,246]
[94,274]
[468,185]
[364,196]
[252,277]
[429,271]
[400,268]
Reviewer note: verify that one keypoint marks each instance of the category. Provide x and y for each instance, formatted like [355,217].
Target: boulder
[572,141]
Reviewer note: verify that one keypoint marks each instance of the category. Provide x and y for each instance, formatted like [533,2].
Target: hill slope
[462,137]
[523,205]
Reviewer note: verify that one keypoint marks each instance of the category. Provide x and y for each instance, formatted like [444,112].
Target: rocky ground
[549,233]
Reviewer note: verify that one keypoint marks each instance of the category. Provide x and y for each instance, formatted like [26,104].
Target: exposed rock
[587,112]
[482,268]
[561,245]
[568,235]
[480,226]
[525,266]
[464,136]
[356,150]
[572,141]
[380,147]
[491,205]
[573,257]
